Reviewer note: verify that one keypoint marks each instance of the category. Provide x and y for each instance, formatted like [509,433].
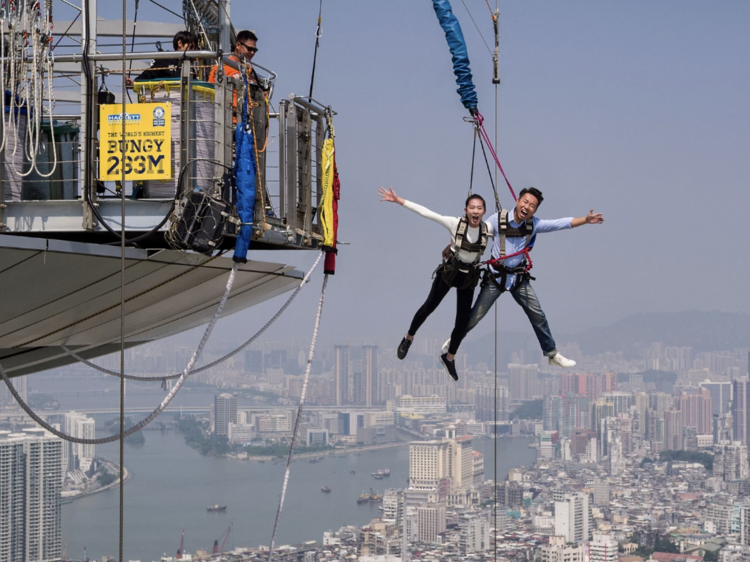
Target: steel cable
[299,416]
[213,363]
[159,409]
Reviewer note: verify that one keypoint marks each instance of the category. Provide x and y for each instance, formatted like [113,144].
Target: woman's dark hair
[532,191]
[475,196]
[186,38]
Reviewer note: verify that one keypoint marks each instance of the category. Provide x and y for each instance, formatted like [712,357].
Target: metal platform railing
[288,141]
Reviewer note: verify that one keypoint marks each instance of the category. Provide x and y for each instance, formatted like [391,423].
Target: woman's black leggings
[464,298]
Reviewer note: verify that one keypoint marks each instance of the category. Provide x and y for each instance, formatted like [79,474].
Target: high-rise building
[620,400]
[430,522]
[254,361]
[673,426]
[721,396]
[478,463]
[603,548]
[429,462]
[558,550]
[522,381]
[641,406]
[30,485]
[573,517]
[741,410]
[341,369]
[358,388]
[484,402]
[225,412]
[697,411]
[460,460]
[370,369]
[565,413]
[600,490]
[730,461]
[476,535]
[77,456]
[608,382]
[660,402]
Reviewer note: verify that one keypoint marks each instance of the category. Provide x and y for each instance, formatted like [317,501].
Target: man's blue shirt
[517,243]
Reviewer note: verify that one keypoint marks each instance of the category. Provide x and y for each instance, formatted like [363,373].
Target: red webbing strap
[329,265]
[486,138]
[525,251]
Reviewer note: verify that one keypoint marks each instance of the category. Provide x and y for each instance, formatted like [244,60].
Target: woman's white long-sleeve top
[451,223]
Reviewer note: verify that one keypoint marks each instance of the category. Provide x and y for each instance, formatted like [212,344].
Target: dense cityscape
[638,459]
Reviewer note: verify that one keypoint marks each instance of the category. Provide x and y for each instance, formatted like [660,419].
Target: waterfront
[171,485]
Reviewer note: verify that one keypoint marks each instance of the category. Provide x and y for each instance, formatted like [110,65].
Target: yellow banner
[148,139]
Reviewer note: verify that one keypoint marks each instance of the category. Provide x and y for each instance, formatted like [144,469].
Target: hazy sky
[638,109]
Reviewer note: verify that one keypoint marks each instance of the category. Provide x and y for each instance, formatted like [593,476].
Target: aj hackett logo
[129,118]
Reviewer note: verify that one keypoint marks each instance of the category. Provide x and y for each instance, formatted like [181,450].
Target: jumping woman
[469,236]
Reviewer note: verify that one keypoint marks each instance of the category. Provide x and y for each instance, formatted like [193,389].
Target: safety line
[478,30]
[299,416]
[318,35]
[214,363]
[159,409]
[122,281]
[480,121]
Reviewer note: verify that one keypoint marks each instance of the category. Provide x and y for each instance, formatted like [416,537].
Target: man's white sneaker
[561,361]
[445,347]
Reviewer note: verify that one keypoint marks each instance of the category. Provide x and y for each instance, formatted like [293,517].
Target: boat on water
[217,507]
[381,473]
[60,198]
[325,489]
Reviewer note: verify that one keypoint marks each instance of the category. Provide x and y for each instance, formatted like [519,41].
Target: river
[171,485]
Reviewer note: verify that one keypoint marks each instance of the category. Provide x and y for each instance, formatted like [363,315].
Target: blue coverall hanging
[245,168]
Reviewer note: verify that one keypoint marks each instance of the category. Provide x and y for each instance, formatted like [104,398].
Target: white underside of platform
[54,293]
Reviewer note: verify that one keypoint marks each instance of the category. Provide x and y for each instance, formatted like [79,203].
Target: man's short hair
[475,196]
[246,35]
[532,191]
[186,38]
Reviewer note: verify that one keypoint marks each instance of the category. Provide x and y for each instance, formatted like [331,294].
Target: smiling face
[474,211]
[525,207]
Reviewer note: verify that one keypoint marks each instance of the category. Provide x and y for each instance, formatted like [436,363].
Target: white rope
[164,403]
[257,334]
[303,394]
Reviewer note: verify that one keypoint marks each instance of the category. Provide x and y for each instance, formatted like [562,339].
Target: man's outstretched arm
[591,218]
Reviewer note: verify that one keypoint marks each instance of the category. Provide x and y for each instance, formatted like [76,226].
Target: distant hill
[703,331]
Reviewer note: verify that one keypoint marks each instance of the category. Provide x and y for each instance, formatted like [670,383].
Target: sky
[636,109]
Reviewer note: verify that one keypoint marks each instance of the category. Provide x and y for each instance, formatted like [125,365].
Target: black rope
[181,16]
[64,35]
[495,444]
[132,46]
[473,155]
[317,43]
[489,171]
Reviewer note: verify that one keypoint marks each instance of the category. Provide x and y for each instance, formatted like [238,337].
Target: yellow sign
[148,139]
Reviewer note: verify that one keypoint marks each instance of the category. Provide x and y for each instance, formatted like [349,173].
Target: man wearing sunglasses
[245,46]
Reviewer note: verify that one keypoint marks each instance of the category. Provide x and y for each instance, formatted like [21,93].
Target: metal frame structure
[300,126]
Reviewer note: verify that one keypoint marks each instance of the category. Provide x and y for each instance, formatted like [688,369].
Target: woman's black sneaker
[403,348]
[449,365]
